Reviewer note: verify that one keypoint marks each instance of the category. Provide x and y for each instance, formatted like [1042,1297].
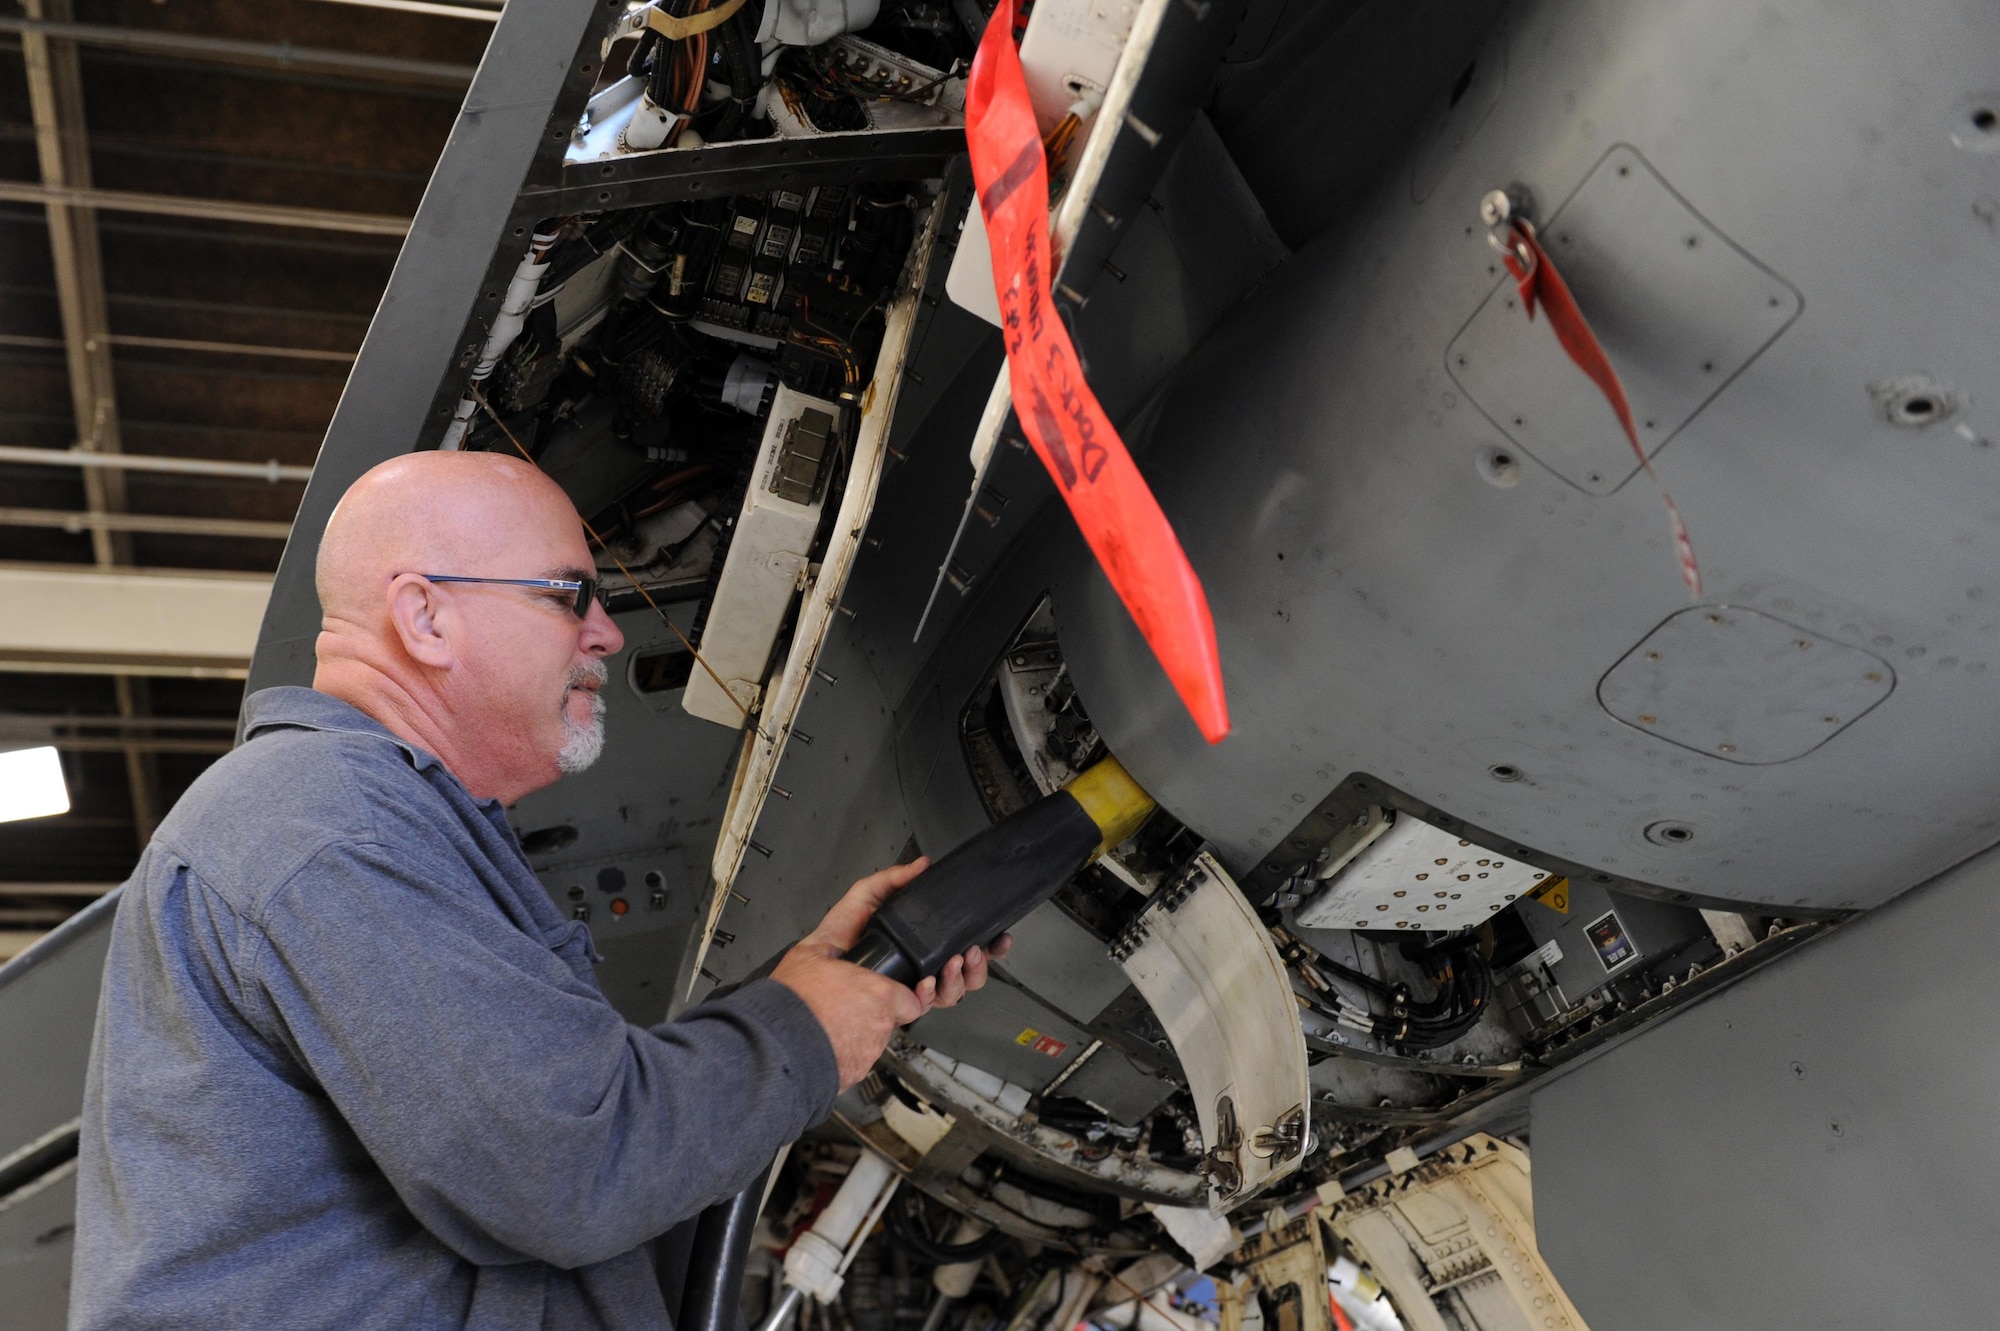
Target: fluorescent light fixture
[31,784]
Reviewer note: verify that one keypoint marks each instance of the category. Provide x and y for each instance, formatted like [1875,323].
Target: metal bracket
[1222,1165]
[1284,1139]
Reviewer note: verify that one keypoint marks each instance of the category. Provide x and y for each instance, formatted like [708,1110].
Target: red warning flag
[1069,431]
[1539,282]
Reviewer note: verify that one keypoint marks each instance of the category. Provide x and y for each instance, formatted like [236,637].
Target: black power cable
[736,61]
[903,1229]
[1463,988]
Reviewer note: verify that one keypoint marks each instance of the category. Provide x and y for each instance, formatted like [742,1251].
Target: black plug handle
[975,893]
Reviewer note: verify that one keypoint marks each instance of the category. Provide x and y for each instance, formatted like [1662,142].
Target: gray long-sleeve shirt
[352,1069]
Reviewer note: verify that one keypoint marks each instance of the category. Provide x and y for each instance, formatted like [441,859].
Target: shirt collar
[290,707]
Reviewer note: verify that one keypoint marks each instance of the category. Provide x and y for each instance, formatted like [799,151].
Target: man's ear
[418,614]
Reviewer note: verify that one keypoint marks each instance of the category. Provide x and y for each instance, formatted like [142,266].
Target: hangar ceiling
[200,205]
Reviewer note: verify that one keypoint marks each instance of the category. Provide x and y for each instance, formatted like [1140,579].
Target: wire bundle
[1462,986]
[677,73]
[907,1231]
[826,89]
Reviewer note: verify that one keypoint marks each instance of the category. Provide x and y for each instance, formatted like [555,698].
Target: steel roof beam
[215,210]
[186,344]
[233,51]
[480,13]
[162,525]
[136,725]
[128,622]
[55,98]
[55,889]
[147,744]
[76,457]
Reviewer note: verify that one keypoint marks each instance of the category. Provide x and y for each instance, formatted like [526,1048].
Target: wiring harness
[908,1231]
[1461,981]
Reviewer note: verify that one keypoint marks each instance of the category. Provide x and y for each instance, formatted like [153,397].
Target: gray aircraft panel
[1811,1147]
[440,284]
[48,1008]
[37,1239]
[1383,606]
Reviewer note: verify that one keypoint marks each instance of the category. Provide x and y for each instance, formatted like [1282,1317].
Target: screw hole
[1986,120]
[1499,467]
[1504,772]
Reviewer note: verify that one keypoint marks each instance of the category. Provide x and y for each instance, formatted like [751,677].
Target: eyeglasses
[585,589]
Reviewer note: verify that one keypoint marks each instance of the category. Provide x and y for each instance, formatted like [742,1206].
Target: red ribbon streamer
[1540,282]
[1069,431]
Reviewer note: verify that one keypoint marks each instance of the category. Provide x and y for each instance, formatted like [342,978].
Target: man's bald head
[433,512]
[500,681]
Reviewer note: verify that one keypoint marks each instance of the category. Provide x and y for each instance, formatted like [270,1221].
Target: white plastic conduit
[507,325]
[818,1259]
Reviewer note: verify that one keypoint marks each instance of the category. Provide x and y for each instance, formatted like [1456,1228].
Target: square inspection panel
[1743,686]
[1679,309]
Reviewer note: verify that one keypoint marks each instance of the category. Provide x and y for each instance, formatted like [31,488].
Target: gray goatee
[582,743]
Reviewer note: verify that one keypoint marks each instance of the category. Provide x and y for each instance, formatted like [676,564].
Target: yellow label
[1554,894]
[1028,1036]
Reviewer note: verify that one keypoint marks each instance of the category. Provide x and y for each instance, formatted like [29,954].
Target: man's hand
[859,1009]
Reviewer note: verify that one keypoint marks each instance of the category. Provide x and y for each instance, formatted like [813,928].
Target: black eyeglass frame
[586,589]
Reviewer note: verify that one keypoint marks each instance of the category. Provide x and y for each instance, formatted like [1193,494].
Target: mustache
[588,673]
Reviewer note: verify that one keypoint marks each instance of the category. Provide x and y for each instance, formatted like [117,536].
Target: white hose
[819,1257]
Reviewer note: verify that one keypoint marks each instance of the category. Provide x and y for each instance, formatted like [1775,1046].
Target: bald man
[351,1068]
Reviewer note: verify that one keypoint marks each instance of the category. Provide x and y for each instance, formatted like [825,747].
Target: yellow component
[1554,894]
[1028,1036]
[1114,801]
